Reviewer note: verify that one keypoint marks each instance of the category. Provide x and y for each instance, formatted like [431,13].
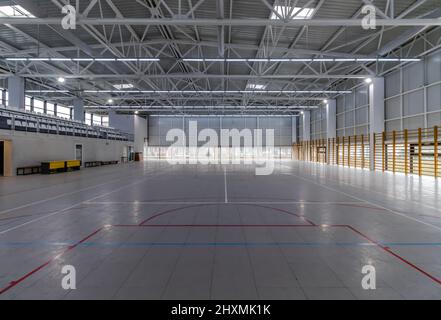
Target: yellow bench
[60,166]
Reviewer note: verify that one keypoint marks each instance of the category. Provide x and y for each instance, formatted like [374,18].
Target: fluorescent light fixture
[15,11]
[123,86]
[82,59]
[345,60]
[256,89]
[105,59]
[60,59]
[410,60]
[256,86]
[367,60]
[16,59]
[323,60]
[47,91]
[127,59]
[38,59]
[110,101]
[294,13]
[61,80]
[148,59]
[279,60]
[258,60]
[388,60]
[368,80]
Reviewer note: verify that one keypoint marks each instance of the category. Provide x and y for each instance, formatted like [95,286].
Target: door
[2,158]
[79,152]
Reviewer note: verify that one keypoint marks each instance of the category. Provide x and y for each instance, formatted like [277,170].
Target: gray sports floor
[154,231]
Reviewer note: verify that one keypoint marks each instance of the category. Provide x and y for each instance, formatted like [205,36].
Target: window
[50,108]
[63,112]
[96,120]
[88,119]
[38,106]
[295,13]
[105,121]
[15,11]
[28,101]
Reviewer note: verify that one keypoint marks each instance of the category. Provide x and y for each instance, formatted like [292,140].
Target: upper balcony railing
[33,122]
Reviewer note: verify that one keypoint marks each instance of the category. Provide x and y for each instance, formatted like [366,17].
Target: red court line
[69,248]
[396,255]
[311,224]
[209,204]
[215,225]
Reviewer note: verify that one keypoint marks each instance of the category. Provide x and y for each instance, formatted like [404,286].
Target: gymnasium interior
[220,150]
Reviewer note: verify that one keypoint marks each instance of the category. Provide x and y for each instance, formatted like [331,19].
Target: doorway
[5,158]
[2,158]
[79,152]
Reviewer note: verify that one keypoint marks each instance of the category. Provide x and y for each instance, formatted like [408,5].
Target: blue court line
[216,244]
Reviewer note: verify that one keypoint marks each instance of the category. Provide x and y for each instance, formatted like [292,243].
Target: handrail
[411,151]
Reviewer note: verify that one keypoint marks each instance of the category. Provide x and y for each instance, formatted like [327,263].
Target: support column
[140,126]
[331,119]
[16,89]
[294,124]
[306,125]
[376,112]
[78,105]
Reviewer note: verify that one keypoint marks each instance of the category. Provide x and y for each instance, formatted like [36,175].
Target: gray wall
[353,113]
[159,126]
[318,123]
[413,95]
[31,148]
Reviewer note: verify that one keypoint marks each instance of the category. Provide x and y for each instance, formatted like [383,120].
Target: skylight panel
[123,86]
[254,86]
[15,11]
[294,13]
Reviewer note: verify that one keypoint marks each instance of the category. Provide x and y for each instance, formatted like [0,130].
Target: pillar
[306,125]
[294,124]
[16,89]
[140,128]
[78,106]
[376,112]
[331,119]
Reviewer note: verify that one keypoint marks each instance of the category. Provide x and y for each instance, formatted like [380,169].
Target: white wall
[32,148]
[140,131]
[159,126]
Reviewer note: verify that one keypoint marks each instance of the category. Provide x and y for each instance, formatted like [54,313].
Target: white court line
[216,202]
[73,206]
[383,194]
[366,201]
[56,197]
[225,183]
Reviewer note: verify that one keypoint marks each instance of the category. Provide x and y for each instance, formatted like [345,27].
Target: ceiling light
[368,80]
[110,101]
[325,101]
[61,80]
